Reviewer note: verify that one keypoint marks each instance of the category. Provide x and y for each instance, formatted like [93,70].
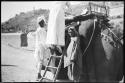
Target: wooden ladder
[56,68]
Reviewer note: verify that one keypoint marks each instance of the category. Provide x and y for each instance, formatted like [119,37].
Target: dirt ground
[17,63]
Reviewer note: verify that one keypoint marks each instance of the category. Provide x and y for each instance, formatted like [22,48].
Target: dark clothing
[23,38]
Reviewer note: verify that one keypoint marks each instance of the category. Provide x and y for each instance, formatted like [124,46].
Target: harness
[106,27]
[90,37]
[117,39]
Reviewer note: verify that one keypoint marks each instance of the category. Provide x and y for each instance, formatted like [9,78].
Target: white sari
[56,26]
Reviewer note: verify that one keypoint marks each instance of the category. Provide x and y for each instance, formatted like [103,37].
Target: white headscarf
[41,18]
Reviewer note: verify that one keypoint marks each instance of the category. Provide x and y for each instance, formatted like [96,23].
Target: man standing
[73,57]
[40,49]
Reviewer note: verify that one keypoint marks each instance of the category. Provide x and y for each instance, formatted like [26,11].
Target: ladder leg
[46,68]
[58,69]
[52,63]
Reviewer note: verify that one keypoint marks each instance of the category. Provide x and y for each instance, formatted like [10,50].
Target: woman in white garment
[40,49]
[56,25]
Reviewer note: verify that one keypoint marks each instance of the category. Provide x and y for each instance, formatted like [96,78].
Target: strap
[89,41]
[90,38]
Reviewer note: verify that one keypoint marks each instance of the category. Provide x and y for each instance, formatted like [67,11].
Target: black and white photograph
[62,41]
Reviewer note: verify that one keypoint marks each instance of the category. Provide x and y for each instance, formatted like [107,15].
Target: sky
[10,8]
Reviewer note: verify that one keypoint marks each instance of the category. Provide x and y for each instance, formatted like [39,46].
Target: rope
[118,39]
[89,41]
[90,38]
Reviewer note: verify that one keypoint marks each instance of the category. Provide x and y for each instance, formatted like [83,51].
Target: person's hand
[84,11]
[59,49]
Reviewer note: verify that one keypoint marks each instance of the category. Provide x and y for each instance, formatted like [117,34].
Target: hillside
[24,21]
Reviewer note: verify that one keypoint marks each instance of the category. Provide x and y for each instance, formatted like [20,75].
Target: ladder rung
[52,67]
[45,78]
[56,56]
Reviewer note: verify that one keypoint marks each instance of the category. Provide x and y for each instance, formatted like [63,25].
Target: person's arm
[83,18]
[68,20]
[78,18]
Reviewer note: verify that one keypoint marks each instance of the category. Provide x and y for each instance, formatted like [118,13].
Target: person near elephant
[73,57]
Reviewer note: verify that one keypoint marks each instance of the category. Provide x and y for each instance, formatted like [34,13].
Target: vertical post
[34,10]
[107,9]
[103,3]
[90,7]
